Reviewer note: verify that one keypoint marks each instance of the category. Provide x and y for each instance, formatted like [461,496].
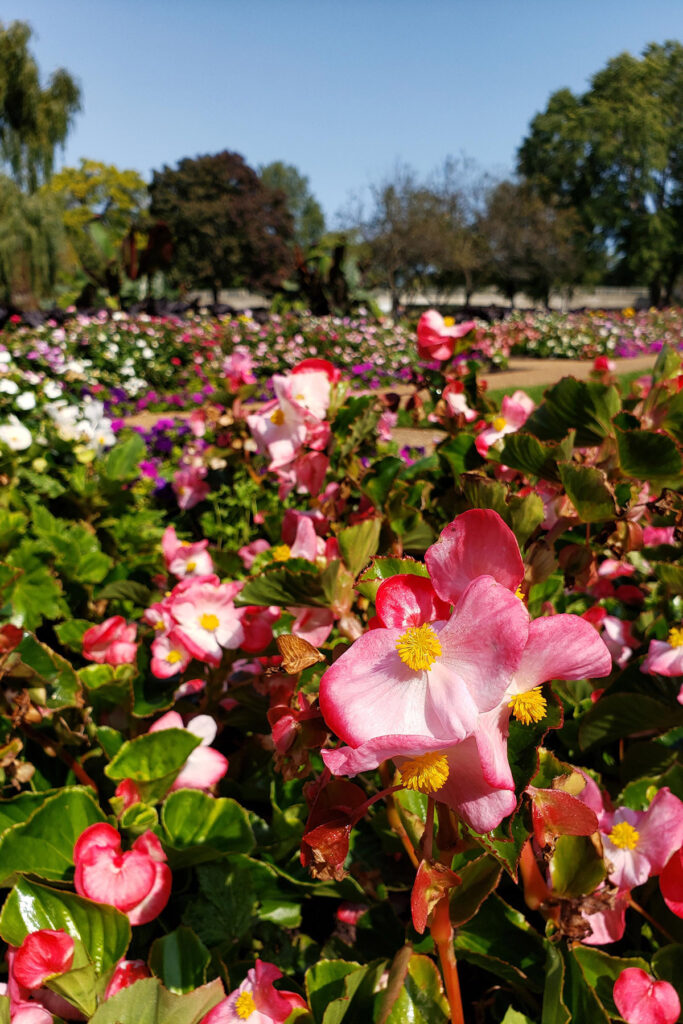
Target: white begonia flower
[15,435]
[51,389]
[8,387]
[25,401]
[5,356]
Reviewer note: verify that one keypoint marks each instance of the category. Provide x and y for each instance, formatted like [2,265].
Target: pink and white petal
[408,600]
[661,829]
[312,624]
[202,770]
[99,835]
[642,1000]
[450,711]
[481,805]
[663,659]
[477,543]
[561,647]
[671,884]
[627,868]
[484,639]
[171,720]
[352,760]
[121,881]
[607,925]
[203,726]
[156,898]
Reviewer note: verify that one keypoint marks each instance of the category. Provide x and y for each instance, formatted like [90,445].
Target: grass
[537,391]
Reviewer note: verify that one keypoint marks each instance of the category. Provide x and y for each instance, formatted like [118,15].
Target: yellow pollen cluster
[499,423]
[191,566]
[208,621]
[425,773]
[624,835]
[281,552]
[418,647]
[244,1005]
[519,592]
[529,707]
[277,417]
[676,636]
[159,624]
[173,656]
[448,321]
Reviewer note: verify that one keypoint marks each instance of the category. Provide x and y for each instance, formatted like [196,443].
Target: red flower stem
[648,917]
[54,749]
[442,933]
[536,891]
[360,811]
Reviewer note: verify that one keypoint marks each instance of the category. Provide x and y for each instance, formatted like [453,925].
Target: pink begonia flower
[654,535]
[31,1014]
[279,431]
[436,335]
[642,1000]
[312,624]
[386,423]
[184,559]
[617,633]
[137,882]
[169,655]
[671,884]
[206,619]
[257,623]
[665,657]
[308,390]
[607,925]
[250,551]
[636,844]
[467,669]
[514,412]
[126,973]
[307,474]
[190,486]
[456,401]
[238,368]
[111,643]
[197,422]
[42,955]
[306,543]
[205,766]
[332,372]
[256,1001]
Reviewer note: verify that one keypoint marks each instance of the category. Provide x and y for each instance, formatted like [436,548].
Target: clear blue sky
[343,89]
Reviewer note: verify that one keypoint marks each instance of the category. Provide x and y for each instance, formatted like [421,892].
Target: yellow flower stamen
[173,656]
[281,552]
[519,592]
[244,1005]
[425,773]
[529,707]
[208,621]
[418,647]
[277,417]
[191,566]
[448,321]
[159,624]
[676,636]
[624,836]
[499,423]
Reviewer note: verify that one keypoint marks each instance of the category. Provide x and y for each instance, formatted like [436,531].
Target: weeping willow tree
[34,119]
[31,243]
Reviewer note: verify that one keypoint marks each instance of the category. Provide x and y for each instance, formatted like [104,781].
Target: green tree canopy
[31,243]
[309,220]
[229,229]
[34,120]
[615,154]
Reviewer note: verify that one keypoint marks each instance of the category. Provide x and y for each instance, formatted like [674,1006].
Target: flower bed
[299,726]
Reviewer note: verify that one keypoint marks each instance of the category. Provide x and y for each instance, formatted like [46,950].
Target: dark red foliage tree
[229,229]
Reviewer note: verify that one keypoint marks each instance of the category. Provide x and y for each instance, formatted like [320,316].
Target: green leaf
[421,999]
[460,453]
[293,583]
[70,633]
[524,741]
[513,1016]
[554,1009]
[383,569]
[121,464]
[4,1010]
[500,939]
[647,455]
[586,406]
[180,960]
[34,594]
[378,481]
[108,685]
[601,971]
[524,515]
[103,930]
[198,827]
[47,668]
[324,983]
[617,715]
[538,458]
[506,841]
[226,907]
[589,491]
[579,996]
[358,543]
[44,843]
[477,880]
[358,998]
[576,867]
[670,575]
[21,807]
[153,761]
[126,590]
[148,1002]
[12,526]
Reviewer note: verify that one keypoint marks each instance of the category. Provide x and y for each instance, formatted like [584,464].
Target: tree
[228,228]
[615,155]
[31,242]
[461,251]
[530,245]
[309,220]
[33,120]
